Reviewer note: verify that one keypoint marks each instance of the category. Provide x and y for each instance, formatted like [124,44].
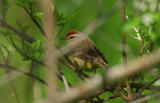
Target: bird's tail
[104,65]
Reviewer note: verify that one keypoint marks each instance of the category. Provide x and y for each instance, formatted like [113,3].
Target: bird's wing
[94,52]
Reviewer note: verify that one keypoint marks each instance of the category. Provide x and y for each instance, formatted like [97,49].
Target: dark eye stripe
[71,37]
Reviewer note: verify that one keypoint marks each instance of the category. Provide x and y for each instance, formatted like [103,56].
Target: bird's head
[72,35]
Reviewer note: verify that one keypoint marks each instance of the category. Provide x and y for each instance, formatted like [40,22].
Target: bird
[85,55]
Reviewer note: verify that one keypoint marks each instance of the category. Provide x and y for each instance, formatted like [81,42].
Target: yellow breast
[82,64]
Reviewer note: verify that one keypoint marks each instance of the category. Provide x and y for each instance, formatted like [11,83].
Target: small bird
[86,56]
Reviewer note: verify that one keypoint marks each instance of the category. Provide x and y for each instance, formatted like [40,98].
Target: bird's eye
[71,37]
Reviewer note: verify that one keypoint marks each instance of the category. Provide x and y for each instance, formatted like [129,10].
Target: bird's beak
[63,38]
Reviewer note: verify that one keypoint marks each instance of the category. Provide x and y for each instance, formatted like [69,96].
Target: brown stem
[129,89]
[150,47]
[142,47]
[12,83]
[36,22]
[18,70]
[124,48]
[49,22]
[21,34]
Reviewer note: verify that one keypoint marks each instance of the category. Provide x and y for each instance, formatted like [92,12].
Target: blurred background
[75,15]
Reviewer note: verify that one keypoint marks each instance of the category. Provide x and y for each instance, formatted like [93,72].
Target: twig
[100,2]
[124,50]
[18,32]
[150,46]
[142,46]
[63,77]
[144,87]
[108,98]
[79,72]
[7,62]
[35,21]
[59,32]
[148,97]
[18,70]
[111,88]
[69,65]
[13,86]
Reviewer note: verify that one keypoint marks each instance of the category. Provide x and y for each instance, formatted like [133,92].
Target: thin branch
[124,50]
[109,98]
[59,32]
[123,34]
[110,88]
[100,2]
[18,70]
[63,77]
[7,62]
[80,74]
[142,46]
[35,21]
[144,87]
[13,86]
[148,97]
[18,32]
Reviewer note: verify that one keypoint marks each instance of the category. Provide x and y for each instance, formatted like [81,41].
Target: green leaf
[40,15]
[36,46]
[5,5]
[23,28]
[154,36]
[132,23]
[72,17]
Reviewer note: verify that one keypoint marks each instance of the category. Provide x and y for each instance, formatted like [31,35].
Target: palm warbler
[86,56]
